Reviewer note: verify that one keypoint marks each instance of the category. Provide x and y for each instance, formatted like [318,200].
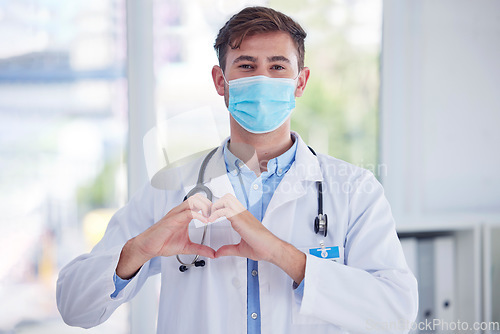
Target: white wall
[440,110]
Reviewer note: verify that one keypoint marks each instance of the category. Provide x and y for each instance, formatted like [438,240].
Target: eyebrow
[245,58]
[278,58]
[254,59]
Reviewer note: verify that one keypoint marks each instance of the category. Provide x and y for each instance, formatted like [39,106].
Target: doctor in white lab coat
[367,288]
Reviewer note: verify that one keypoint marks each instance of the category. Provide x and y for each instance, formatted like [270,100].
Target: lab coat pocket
[333,253]
[299,319]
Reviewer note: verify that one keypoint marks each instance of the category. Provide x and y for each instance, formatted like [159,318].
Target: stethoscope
[320,222]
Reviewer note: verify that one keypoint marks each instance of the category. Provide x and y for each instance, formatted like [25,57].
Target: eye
[245,66]
[277,67]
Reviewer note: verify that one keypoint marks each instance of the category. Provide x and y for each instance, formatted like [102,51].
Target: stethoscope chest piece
[321,224]
[321,220]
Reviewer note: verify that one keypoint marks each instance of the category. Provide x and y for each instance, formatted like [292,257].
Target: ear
[302,81]
[218,79]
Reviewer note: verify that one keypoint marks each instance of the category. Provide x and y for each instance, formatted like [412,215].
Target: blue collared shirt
[255,193]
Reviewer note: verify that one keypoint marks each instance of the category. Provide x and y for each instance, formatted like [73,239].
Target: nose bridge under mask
[229,82]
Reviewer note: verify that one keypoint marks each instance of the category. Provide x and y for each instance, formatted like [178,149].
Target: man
[267,270]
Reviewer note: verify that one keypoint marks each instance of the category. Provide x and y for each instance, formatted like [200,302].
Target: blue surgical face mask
[261,104]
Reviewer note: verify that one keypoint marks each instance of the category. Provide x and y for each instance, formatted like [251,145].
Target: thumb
[201,250]
[228,250]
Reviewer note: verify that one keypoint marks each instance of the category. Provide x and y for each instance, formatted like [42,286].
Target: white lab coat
[369,289]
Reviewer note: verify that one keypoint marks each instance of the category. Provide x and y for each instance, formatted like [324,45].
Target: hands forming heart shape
[169,236]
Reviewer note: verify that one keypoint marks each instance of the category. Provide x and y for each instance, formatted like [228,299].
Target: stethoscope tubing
[200,187]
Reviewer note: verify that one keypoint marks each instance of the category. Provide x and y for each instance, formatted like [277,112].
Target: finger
[179,208]
[229,201]
[219,204]
[227,212]
[218,214]
[187,216]
[199,202]
[201,250]
[228,250]
[196,202]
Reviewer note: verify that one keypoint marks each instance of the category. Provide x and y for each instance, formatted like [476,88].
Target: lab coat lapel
[304,170]
[295,184]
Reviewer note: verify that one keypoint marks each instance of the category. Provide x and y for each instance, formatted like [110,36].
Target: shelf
[466,255]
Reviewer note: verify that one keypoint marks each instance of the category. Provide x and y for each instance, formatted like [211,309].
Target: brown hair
[256,20]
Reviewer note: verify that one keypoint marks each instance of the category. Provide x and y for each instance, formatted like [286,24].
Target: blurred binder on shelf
[426,275]
[436,279]
[410,250]
[444,291]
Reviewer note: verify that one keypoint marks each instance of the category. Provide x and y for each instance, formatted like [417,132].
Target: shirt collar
[233,163]
[279,165]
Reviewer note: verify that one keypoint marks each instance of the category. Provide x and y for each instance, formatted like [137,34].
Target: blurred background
[407,89]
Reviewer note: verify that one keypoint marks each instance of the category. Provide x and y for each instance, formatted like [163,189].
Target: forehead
[265,45]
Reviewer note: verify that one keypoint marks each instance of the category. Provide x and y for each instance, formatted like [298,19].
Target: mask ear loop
[298,74]
[296,80]
[224,77]
[297,77]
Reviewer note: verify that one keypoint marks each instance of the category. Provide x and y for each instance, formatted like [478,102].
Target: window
[63,127]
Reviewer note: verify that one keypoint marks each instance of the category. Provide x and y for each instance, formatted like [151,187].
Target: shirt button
[254,316]
[280,171]
[254,273]
[255,186]
[240,163]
